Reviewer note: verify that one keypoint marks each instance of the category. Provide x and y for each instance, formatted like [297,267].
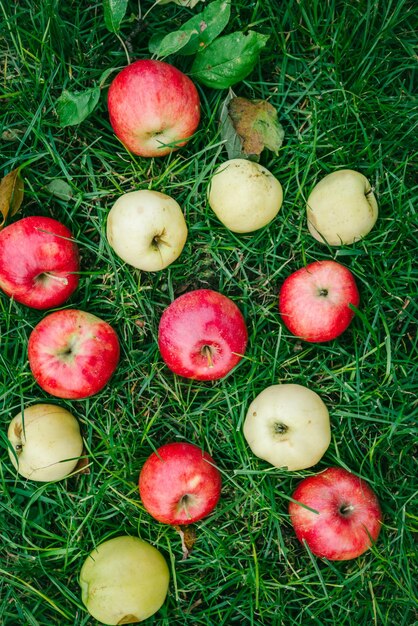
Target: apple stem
[61,279]
[346,509]
[207,352]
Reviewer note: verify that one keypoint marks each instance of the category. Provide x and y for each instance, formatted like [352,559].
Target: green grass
[341,75]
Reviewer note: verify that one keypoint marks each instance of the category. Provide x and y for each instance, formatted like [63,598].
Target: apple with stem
[288,426]
[153,107]
[315,301]
[341,208]
[202,335]
[146,229]
[39,262]
[336,513]
[124,580]
[73,354]
[179,484]
[45,442]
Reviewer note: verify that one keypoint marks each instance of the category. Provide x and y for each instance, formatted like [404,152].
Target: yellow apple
[146,229]
[341,208]
[288,426]
[46,442]
[244,195]
[124,580]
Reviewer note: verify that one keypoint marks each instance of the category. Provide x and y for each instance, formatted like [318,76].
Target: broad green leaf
[256,123]
[207,25]
[73,108]
[182,3]
[229,135]
[228,59]
[169,44]
[11,195]
[60,189]
[114,12]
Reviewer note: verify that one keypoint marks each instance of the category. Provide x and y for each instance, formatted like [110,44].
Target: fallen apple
[315,301]
[341,208]
[153,107]
[73,354]
[244,195]
[124,580]
[39,262]
[336,513]
[45,442]
[179,484]
[146,229]
[288,426]
[202,335]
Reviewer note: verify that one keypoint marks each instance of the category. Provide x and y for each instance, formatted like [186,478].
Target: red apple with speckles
[202,335]
[153,107]
[314,301]
[346,516]
[179,484]
[39,262]
[73,354]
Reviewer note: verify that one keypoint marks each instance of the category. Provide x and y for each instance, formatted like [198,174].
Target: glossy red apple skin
[73,354]
[202,335]
[349,517]
[152,103]
[39,262]
[314,301]
[179,484]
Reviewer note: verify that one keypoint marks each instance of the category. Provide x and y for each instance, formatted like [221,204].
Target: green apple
[288,426]
[45,442]
[244,195]
[341,208]
[146,229]
[124,580]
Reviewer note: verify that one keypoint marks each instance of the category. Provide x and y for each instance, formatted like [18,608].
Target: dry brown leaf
[188,539]
[256,122]
[11,195]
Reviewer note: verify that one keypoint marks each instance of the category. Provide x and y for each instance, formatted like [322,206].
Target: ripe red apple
[314,301]
[202,335]
[38,262]
[73,354]
[153,107]
[179,484]
[346,516]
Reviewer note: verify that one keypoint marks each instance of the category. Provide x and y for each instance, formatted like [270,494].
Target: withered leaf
[188,539]
[11,195]
[256,122]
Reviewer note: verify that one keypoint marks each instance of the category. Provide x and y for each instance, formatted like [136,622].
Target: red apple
[153,107]
[314,301]
[73,354]
[179,484]
[38,262]
[202,335]
[346,516]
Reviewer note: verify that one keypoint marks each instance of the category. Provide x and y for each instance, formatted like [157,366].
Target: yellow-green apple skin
[244,195]
[46,442]
[288,426]
[146,229]
[124,580]
[341,208]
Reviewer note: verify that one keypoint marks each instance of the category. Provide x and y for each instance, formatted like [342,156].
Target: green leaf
[162,46]
[73,108]
[60,189]
[228,59]
[114,12]
[207,25]
[182,3]
[229,135]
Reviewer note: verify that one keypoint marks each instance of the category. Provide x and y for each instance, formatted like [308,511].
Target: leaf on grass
[114,12]
[73,108]
[182,3]
[163,45]
[60,189]
[229,135]
[257,124]
[188,539]
[228,59]
[11,195]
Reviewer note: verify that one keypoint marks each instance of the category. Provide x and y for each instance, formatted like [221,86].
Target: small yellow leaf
[11,195]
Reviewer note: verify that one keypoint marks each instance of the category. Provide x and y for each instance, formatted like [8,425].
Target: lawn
[342,77]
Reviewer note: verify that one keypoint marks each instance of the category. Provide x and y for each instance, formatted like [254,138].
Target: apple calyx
[345,510]
[279,428]
[322,292]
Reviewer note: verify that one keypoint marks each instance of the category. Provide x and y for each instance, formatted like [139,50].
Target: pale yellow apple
[146,229]
[288,426]
[46,442]
[244,195]
[124,580]
[341,208]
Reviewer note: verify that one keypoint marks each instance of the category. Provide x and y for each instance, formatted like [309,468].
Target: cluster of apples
[202,335]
